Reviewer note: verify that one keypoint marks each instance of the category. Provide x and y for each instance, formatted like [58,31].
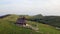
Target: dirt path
[33,28]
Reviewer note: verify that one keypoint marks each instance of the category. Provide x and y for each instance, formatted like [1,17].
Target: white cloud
[45,7]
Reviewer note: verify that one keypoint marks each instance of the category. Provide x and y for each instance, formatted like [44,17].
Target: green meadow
[7,26]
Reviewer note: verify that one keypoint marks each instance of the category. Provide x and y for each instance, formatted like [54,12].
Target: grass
[7,26]
[45,29]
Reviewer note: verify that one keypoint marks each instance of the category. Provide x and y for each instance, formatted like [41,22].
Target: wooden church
[21,21]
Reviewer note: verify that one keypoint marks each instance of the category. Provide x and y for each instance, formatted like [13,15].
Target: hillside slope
[50,20]
[44,28]
[7,26]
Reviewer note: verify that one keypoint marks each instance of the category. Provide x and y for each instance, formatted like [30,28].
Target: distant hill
[4,16]
[51,20]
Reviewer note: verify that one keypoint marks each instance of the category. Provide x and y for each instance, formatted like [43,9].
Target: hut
[21,21]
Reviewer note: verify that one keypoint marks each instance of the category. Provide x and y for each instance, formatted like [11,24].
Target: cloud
[31,7]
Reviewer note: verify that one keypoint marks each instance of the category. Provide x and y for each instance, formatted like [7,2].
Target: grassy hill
[50,20]
[7,26]
[45,29]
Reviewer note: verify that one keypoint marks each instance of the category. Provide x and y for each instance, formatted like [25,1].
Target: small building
[21,21]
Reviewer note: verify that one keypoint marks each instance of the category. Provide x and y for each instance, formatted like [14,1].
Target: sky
[30,7]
